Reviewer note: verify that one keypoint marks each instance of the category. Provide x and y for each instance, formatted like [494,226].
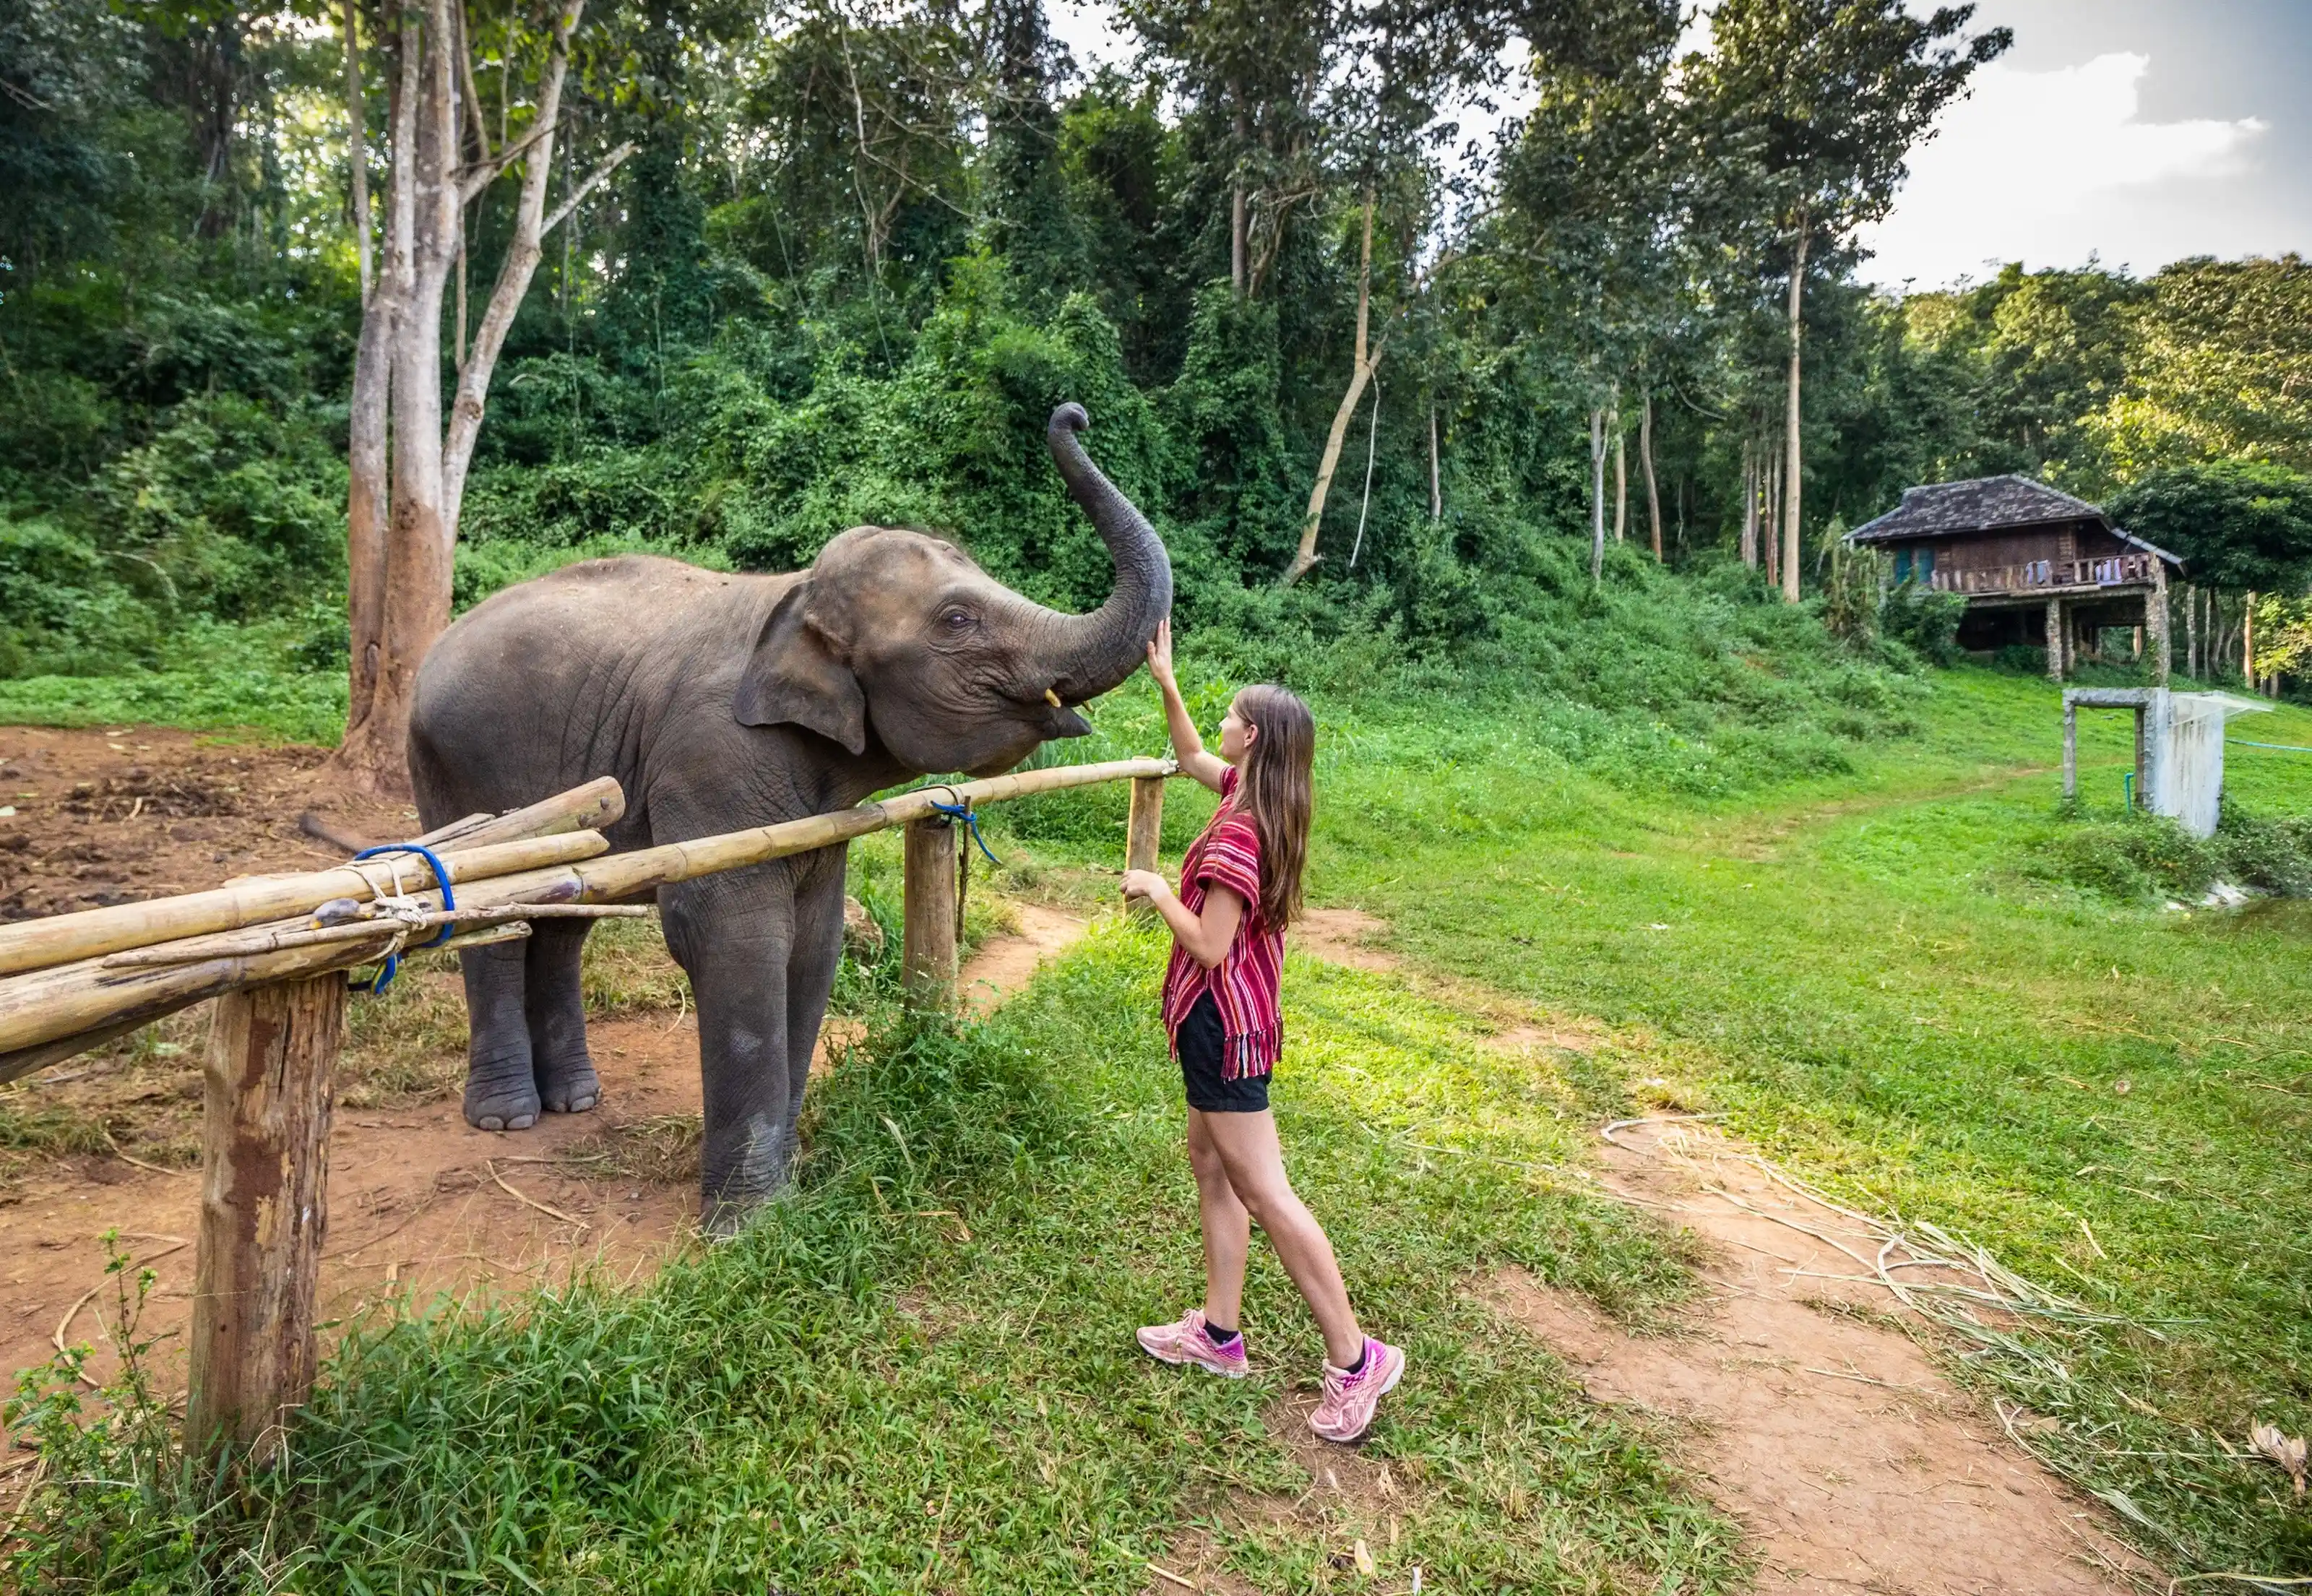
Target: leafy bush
[2138,857]
[2274,854]
[2144,856]
[1924,619]
[65,608]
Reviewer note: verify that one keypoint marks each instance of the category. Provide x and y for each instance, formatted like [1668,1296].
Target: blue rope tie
[2286,748]
[378,983]
[963,812]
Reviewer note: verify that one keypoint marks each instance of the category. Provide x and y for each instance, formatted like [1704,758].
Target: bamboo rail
[51,1013]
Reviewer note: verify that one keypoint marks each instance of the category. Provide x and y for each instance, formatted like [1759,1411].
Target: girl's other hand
[1159,656]
[1144,884]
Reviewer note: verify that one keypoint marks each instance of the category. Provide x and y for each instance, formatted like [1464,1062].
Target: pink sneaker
[1346,1413]
[1186,1342]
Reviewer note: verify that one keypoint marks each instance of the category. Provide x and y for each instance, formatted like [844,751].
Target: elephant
[724,701]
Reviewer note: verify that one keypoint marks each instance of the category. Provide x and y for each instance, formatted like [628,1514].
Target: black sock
[1357,1367]
[1217,1336]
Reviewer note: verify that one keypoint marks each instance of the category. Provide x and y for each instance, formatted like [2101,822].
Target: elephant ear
[796,678]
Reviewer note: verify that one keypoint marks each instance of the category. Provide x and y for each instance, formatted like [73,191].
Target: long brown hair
[1279,794]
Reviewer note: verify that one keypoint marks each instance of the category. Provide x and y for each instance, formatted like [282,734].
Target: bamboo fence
[273,949]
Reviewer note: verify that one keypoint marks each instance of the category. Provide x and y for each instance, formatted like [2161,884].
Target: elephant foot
[724,1218]
[727,1206]
[500,1098]
[570,1087]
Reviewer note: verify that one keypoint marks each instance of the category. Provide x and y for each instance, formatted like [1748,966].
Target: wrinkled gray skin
[721,702]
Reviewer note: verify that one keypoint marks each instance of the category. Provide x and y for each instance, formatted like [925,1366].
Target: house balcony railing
[2109,571]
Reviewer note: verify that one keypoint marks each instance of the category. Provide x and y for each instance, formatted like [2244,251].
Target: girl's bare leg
[1227,1228]
[1254,1164]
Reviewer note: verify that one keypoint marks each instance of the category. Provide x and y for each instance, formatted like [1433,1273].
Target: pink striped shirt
[1245,984]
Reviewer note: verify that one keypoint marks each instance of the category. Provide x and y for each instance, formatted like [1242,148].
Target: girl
[1240,887]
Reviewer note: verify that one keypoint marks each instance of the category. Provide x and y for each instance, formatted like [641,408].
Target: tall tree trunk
[1436,494]
[407,471]
[1646,458]
[1621,477]
[1750,506]
[1792,469]
[2247,642]
[417,552]
[1596,496]
[368,495]
[2192,631]
[1774,521]
[357,147]
[1238,264]
[1305,556]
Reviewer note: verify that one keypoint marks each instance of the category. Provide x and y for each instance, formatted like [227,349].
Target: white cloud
[2048,166]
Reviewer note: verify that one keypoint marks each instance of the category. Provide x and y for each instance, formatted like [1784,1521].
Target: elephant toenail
[523,1122]
[491,1122]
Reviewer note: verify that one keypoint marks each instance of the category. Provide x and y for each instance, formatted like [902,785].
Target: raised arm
[1186,746]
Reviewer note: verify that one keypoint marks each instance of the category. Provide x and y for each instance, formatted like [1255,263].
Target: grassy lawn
[1875,954]
[1868,973]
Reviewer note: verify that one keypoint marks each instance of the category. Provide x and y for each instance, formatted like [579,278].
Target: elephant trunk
[1093,652]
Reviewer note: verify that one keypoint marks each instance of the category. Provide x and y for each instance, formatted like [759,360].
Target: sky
[2136,132]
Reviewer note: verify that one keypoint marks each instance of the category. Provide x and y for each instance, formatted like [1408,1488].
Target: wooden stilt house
[2034,564]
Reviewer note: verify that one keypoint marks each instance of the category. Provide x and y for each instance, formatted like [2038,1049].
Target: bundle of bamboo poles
[71,982]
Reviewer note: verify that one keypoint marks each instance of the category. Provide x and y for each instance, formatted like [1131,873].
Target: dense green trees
[859,252]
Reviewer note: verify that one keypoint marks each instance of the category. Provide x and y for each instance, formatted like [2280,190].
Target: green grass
[916,1372]
[1854,944]
[1866,975]
[213,677]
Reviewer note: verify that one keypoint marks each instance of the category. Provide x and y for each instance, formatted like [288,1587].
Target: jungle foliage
[858,256]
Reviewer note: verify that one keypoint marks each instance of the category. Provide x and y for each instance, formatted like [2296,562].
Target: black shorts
[1203,1045]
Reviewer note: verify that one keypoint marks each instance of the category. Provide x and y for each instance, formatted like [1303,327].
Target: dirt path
[1852,1462]
[1004,964]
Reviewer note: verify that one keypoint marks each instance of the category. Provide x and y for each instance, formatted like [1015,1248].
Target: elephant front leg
[733,935]
[500,1091]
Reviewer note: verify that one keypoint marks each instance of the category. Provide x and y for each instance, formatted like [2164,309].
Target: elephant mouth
[1060,721]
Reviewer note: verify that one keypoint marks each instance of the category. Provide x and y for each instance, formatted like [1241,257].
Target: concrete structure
[2179,747]
[2034,564]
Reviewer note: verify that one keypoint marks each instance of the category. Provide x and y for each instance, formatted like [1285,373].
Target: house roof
[1987,504]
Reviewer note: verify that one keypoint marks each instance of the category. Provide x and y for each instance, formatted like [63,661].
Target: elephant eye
[957,620]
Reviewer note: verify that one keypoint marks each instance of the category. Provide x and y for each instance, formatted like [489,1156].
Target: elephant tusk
[1052,698]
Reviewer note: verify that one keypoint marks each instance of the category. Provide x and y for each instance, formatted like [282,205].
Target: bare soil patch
[1004,964]
[105,817]
[1345,936]
[1853,1463]
[1352,1500]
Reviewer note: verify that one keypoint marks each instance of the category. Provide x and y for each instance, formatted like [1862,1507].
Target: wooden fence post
[927,966]
[2071,747]
[273,1051]
[1144,832]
